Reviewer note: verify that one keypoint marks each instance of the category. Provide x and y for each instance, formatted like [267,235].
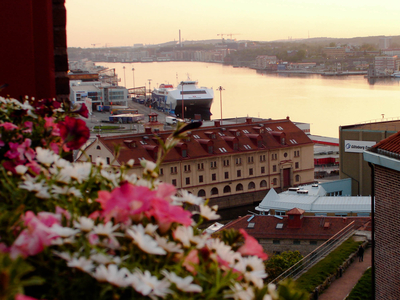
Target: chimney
[147,130]
[249,120]
[217,123]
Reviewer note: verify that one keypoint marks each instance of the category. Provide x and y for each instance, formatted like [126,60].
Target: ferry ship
[197,100]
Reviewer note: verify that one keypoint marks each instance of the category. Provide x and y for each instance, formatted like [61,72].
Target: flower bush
[91,231]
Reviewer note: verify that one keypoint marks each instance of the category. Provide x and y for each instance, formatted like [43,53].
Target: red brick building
[384,159]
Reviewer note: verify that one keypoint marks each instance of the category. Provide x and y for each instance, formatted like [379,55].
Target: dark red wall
[26,48]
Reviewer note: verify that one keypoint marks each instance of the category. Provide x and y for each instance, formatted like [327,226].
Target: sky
[115,23]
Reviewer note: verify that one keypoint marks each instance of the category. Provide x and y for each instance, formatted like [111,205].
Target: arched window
[263,183]
[251,185]
[201,193]
[98,147]
[239,187]
[214,191]
[227,189]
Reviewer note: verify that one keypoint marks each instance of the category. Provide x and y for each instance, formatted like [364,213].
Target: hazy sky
[128,22]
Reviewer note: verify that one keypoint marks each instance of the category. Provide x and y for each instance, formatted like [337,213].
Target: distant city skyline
[99,23]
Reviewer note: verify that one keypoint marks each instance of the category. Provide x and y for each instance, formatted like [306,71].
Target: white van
[170,120]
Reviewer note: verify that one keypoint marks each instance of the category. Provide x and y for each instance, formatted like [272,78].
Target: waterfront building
[335,52]
[384,158]
[233,164]
[353,140]
[264,61]
[332,198]
[296,231]
[385,65]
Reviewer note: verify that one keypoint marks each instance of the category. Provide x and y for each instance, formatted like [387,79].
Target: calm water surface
[324,102]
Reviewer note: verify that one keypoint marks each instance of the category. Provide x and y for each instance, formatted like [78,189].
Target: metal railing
[312,258]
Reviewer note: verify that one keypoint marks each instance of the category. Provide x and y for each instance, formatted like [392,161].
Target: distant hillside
[358,41]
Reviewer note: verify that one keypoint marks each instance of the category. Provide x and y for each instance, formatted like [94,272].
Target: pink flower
[251,246]
[51,125]
[191,260]
[166,214]
[36,235]
[125,202]
[82,110]
[74,132]
[166,191]
[9,126]
[24,297]
[28,125]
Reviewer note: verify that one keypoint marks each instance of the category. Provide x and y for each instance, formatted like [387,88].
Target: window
[108,160]
[201,193]
[251,186]
[201,178]
[200,166]
[262,158]
[210,149]
[296,165]
[239,173]
[226,162]
[250,171]
[297,178]
[90,158]
[98,148]
[263,183]
[274,168]
[226,175]
[238,161]
[275,181]
[214,191]
[213,177]
[184,153]
[285,154]
[239,187]
[187,180]
[313,243]
[262,170]
[174,182]
[174,170]
[274,156]
[250,159]
[235,146]
[227,189]
[276,242]
[213,164]
[297,153]
[161,171]
[186,168]
[296,242]
[280,213]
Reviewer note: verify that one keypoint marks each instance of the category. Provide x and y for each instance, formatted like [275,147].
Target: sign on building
[357,146]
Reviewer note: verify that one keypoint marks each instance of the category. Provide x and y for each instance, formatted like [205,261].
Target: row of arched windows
[227,188]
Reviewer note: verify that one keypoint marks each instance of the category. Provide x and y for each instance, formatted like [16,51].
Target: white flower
[45,156]
[104,259]
[168,246]
[65,190]
[253,270]
[183,284]
[112,275]
[239,293]
[188,198]
[84,224]
[150,228]
[61,162]
[223,251]
[130,162]
[21,169]
[208,212]
[132,178]
[149,285]
[143,182]
[105,230]
[110,177]
[77,171]
[101,162]
[64,255]
[186,236]
[63,232]
[81,263]
[144,241]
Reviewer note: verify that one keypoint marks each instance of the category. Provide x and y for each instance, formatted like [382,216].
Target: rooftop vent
[303,192]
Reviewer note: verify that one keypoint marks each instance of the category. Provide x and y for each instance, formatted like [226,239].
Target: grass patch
[106,127]
[363,289]
[328,266]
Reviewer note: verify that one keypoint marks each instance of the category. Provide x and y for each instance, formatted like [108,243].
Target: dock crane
[94,45]
[228,34]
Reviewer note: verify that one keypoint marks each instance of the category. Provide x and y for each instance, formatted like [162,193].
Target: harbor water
[326,102]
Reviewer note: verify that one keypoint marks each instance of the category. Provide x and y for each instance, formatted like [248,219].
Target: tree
[332,44]
[279,263]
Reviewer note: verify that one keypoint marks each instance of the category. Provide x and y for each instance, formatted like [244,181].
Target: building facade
[384,158]
[353,139]
[385,64]
[263,61]
[237,163]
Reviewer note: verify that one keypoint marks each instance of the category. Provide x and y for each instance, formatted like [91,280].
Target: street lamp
[150,93]
[124,77]
[220,89]
[133,77]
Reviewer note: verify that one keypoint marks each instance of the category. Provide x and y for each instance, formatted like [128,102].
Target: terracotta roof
[391,144]
[296,211]
[313,227]
[245,134]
